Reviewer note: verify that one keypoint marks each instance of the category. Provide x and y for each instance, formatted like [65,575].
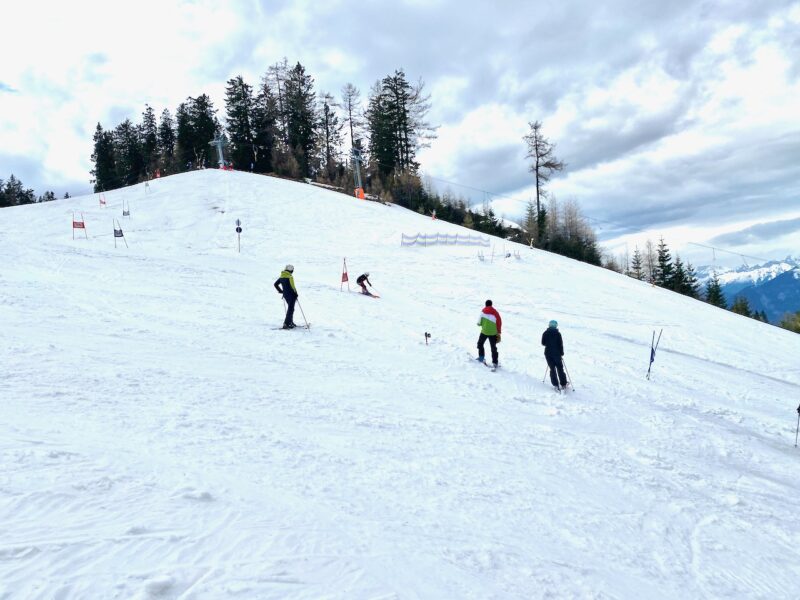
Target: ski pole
[569,377]
[798,426]
[546,369]
[304,314]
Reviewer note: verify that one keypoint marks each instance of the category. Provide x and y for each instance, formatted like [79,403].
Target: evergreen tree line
[656,265]
[14,193]
[281,126]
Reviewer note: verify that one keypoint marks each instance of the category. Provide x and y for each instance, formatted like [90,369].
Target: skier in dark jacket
[553,351]
[363,281]
[285,285]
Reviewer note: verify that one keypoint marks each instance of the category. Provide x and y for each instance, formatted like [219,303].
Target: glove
[498,338]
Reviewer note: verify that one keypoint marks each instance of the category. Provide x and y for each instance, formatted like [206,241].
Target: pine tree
[301,118]
[166,141]
[542,227]
[266,134]
[47,197]
[204,127]
[149,139]
[714,294]
[14,193]
[677,280]
[184,149]
[239,104]
[664,268]
[741,307]
[381,133]
[637,270]
[105,165]
[396,117]
[691,286]
[196,127]
[128,153]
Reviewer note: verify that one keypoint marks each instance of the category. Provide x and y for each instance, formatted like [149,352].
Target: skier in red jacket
[491,325]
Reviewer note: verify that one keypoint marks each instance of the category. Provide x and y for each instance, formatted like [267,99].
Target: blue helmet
[553,324]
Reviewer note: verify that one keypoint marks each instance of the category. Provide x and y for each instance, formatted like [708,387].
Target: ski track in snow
[160,440]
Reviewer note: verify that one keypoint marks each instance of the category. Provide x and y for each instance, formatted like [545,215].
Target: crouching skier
[363,281]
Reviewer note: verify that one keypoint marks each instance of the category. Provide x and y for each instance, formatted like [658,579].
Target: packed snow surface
[161,439]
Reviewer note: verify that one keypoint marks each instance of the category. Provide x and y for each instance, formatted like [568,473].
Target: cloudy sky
[675,118]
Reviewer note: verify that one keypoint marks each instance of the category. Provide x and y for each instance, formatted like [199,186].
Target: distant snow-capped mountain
[735,280]
[776,296]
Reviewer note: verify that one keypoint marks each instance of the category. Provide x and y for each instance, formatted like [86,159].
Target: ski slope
[160,439]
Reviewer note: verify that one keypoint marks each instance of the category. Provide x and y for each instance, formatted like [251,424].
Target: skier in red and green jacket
[491,325]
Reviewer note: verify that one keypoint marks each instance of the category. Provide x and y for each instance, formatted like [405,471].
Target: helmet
[553,324]
[289,268]
[367,273]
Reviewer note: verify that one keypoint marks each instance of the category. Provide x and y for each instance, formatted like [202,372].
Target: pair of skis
[484,363]
[290,328]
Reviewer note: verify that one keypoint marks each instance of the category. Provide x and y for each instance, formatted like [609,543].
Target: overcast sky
[674,118]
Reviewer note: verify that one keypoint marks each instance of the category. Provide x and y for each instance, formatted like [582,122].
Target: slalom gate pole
[302,313]
[798,426]
[569,377]
[653,349]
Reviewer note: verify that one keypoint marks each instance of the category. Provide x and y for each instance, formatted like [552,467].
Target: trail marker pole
[238,236]
[653,349]
[345,277]
[427,337]
[798,426]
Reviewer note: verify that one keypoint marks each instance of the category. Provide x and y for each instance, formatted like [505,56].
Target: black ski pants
[492,344]
[289,310]
[556,365]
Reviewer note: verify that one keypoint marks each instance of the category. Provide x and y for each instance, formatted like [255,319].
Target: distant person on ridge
[363,281]
[491,325]
[285,285]
[553,351]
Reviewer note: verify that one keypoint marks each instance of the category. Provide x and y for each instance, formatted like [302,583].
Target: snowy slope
[159,439]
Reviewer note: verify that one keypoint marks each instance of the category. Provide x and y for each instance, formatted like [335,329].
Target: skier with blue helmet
[553,353]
